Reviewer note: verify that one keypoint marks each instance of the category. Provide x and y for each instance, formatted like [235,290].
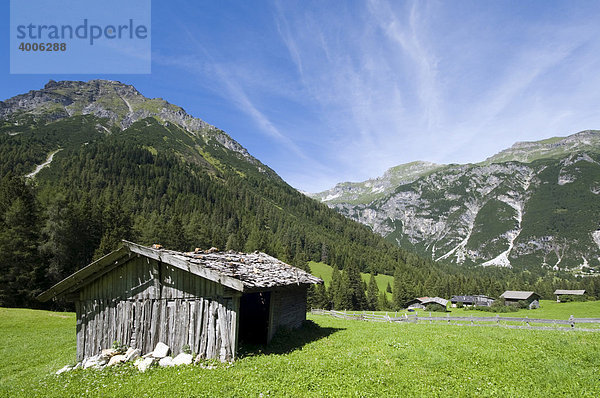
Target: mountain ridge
[516,208]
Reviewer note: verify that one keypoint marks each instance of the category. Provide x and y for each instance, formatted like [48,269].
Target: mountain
[533,206]
[103,163]
[365,192]
[551,148]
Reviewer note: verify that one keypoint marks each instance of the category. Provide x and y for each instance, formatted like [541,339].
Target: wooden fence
[496,321]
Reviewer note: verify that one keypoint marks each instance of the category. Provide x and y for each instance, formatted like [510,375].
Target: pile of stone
[110,357]
[160,356]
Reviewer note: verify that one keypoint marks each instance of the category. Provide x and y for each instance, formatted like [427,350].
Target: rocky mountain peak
[121,104]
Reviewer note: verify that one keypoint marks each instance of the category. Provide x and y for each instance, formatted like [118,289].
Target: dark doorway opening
[254,318]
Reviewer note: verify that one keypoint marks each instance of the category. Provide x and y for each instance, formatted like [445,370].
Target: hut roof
[517,295]
[469,298]
[239,271]
[558,292]
[430,300]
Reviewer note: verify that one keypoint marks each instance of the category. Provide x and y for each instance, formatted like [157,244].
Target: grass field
[324,271]
[328,357]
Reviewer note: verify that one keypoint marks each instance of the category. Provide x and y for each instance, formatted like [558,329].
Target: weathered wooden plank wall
[288,308]
[144,302]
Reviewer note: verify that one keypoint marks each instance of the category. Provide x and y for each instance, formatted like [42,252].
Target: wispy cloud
[411,36]
[234,92]
[287,37]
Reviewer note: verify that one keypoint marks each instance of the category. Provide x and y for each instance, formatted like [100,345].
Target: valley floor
[328,357]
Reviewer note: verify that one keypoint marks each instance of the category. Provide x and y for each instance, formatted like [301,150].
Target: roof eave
[84,275]
[185,265]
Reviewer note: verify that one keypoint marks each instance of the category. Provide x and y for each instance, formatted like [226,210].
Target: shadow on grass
[288,340]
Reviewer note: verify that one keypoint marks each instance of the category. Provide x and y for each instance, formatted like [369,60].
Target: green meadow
[324,272]
[327,357]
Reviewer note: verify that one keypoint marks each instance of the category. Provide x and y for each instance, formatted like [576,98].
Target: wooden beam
[85,274]
[186,265]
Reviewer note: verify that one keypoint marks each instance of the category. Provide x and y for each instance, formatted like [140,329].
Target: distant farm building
[568,293]
[208,300]
[470,301]
[514,297]
[423,302]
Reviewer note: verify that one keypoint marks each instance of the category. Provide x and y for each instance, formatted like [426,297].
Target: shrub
[435,308]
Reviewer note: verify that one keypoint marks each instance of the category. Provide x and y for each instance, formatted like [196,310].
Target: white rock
[89,363]
[183,359]
[132,354]
[64,369]
[145,364]
[116,360]
[161,350]
[166,361]
[109,352]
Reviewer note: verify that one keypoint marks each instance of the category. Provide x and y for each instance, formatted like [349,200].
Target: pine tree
[403,290]
[344,296]
[335,287]
[356,288]
[372,295]
[383,302]
[21,271]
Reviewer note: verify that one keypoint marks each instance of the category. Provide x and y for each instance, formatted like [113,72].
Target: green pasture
[324,272]
[327,357]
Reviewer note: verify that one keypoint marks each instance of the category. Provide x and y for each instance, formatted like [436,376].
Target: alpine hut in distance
[207,300]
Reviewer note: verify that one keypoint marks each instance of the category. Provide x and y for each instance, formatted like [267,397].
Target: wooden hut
[477,300]
[209,301]
[568,295]
[513,297]
[423,302]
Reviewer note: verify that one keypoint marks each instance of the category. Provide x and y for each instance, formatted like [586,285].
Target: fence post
[572,320]
[527,320]
[448,316]
[497,319]
[430,318]
[471,320]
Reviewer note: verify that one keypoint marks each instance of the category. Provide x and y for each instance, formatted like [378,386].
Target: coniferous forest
[155,182]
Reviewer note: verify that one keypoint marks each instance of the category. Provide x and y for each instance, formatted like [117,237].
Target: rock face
[501,212]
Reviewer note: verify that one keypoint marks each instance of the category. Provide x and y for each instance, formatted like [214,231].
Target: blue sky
[331,91]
